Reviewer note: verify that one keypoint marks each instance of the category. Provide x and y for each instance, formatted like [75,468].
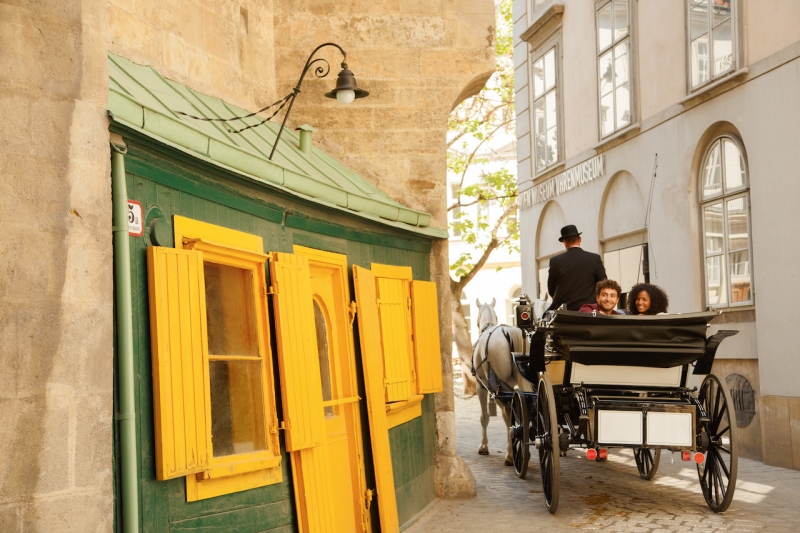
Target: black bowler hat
[568,231]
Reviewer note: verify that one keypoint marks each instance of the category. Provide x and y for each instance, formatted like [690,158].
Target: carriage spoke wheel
[546,431]
[718,472]
[647,462]
[519,431]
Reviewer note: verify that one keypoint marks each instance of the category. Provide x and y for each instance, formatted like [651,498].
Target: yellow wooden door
[343,438]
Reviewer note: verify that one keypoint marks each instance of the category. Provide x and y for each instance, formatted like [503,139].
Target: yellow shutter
[298,360]
[301,392]
[372,361]
[179,344]
[393,314]
[427,353]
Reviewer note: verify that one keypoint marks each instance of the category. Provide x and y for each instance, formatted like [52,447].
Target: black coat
[572,278]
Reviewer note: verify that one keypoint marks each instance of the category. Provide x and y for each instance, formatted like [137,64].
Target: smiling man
[607,294]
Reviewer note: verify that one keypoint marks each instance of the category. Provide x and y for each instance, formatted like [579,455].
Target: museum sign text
[566,181]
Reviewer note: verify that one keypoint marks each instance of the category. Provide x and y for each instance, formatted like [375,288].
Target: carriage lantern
[524,313]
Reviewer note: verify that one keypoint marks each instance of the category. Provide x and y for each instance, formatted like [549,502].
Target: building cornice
[544,25]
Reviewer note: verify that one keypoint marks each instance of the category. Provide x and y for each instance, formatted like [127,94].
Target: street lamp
[345,92]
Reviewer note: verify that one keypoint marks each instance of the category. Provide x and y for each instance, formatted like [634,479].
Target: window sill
[541,27]
[401,412]
[549,173]
[728,82]
[211,488]
[617,138]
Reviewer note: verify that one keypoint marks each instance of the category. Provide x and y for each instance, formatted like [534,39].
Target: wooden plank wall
[177,188]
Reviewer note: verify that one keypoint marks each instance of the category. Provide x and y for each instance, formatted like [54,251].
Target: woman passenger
[647,299]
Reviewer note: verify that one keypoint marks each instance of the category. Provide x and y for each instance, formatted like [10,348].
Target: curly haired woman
[647,299]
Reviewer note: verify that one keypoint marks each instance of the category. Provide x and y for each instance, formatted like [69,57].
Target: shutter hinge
[408,303]
[273,429]
[353,309]
[285,424]
[272,290]
[368,498]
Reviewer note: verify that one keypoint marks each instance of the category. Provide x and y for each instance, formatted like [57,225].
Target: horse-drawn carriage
[595,382]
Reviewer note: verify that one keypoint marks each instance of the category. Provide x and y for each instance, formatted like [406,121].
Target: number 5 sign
[135,222]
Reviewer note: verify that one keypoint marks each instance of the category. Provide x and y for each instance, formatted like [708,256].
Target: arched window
[725,200]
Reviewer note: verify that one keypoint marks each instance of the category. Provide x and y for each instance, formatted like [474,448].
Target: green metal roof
[141,99]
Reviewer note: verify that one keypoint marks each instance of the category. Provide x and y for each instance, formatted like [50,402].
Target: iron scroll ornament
[345,81]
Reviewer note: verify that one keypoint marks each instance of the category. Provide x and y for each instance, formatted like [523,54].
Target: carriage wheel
[647,462]
[718,472]
[519,431]
[546,427]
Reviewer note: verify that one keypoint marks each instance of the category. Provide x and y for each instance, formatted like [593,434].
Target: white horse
[492,355]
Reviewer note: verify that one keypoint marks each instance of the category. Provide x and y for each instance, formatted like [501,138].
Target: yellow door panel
[392,310]
[372,362]
[179,342]
[428,356]
[313,489]
[301,390]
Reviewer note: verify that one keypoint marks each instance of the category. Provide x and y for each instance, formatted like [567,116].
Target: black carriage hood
[656,341]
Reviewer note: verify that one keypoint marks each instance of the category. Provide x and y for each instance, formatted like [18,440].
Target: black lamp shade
[347,82]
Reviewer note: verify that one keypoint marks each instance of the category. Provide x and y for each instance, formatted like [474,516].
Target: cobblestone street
[605,496]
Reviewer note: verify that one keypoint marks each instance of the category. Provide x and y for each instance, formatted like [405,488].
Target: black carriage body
[629,373]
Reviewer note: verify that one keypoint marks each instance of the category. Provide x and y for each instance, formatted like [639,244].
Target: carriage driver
[573,276]
[607,294]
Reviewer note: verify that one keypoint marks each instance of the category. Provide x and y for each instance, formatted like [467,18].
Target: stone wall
[223,48]
[56,286]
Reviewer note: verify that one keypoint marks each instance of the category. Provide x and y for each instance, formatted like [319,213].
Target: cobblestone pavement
[606,496]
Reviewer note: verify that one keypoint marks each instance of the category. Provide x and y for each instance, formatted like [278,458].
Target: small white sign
[135,221]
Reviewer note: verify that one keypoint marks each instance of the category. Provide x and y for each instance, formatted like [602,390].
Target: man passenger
[607,294]
[573,275]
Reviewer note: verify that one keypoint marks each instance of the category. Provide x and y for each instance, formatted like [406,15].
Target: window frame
[736,46]
[236,472]
[723,197]
[554,43]
[631,37]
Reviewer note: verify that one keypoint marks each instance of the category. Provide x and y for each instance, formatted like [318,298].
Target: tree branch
[480,198]
[491,247]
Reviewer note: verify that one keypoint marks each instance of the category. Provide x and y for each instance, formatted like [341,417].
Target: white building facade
[690,107]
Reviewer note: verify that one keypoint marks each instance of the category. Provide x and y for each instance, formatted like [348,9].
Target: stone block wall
[56,284]
[219,47]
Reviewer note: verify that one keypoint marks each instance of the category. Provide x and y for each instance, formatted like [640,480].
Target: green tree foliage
[475,129]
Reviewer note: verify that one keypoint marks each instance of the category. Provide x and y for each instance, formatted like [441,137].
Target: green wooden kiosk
[253,404]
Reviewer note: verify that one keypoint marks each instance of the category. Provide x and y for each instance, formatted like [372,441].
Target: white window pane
[550,69]
[539,124]
[620,19]
[712,175]
[720,11]
[537,4]
[543,274]
[698,18]
[700,73]
[715,280]
[550,109]
[623,106]
[740,276]
[606,72]
[604,27]
[737,223]
[607,114]
[723,47]
[552,146]
[538,78]
[734,165]
[621,63]
[539,148]
[712,218]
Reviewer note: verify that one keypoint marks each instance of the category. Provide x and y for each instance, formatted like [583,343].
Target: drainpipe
[124,313]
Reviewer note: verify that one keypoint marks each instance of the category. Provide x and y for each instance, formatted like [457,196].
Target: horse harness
[495,385]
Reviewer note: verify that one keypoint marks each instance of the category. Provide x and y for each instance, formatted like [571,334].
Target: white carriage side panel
[619,427]
[640,376]
[670,429]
